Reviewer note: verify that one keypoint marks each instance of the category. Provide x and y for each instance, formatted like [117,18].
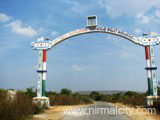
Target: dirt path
[53,113]
[56,113]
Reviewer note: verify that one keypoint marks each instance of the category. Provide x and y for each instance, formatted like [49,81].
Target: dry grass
[69,100]
[17,108]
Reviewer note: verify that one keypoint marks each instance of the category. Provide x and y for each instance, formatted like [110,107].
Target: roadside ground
[134,115]
[56,113]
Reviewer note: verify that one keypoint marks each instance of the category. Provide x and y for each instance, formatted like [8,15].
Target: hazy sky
[87,62]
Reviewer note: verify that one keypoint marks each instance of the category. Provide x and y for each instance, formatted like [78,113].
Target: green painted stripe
[43,88]
[150,86]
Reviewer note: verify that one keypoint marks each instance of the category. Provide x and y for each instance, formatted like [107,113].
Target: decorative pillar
[42,46]
[40,75]
[153,71]
[147,51]
[44,73]
[41,92]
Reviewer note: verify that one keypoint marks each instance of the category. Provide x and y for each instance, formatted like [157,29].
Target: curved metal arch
[96,30]
[143,41]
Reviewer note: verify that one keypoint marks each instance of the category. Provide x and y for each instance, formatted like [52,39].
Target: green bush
[30,92]
[66,91]
[96,96]
[50,93]
[38,108]
[130,93]
[67,98]
[86,100]
[129,97]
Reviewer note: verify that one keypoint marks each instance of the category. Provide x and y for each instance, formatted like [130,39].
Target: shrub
[66,91]
[17,108]
[65,100]
[74,99]
[30,92]
[86,100]
[50,93]
[130,93]
[95,96]
[38,108]
[156,105]
[129,97]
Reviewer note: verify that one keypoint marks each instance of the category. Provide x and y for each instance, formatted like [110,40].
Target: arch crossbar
[96,30]
[143,41]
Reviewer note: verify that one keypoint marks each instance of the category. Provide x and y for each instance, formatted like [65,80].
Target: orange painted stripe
[44,55]
[147,52]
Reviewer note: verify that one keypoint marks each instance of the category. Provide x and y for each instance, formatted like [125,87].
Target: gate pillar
[151,76]
[41,91]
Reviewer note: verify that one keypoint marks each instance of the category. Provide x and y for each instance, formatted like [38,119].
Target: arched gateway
[148,41]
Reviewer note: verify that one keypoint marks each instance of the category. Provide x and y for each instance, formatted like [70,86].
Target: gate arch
[82,31]
[147,41]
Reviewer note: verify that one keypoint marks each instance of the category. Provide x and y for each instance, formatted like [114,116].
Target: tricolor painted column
[44,73]
[150,88]
[41,92]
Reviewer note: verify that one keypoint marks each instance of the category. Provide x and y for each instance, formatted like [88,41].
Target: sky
[88,62]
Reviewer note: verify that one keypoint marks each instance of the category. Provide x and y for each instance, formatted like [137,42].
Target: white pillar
[40,74]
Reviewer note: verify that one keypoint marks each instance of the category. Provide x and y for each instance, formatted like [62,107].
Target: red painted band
[44,55]
[147,52]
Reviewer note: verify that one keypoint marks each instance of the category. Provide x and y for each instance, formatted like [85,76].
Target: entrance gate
[148,41]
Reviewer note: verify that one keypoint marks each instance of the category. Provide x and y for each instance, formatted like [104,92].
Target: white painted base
[42,100]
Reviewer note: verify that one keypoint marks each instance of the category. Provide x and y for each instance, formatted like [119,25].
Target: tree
[30,92]
[130,93]
[95,96]
[66,91]
[49,93]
